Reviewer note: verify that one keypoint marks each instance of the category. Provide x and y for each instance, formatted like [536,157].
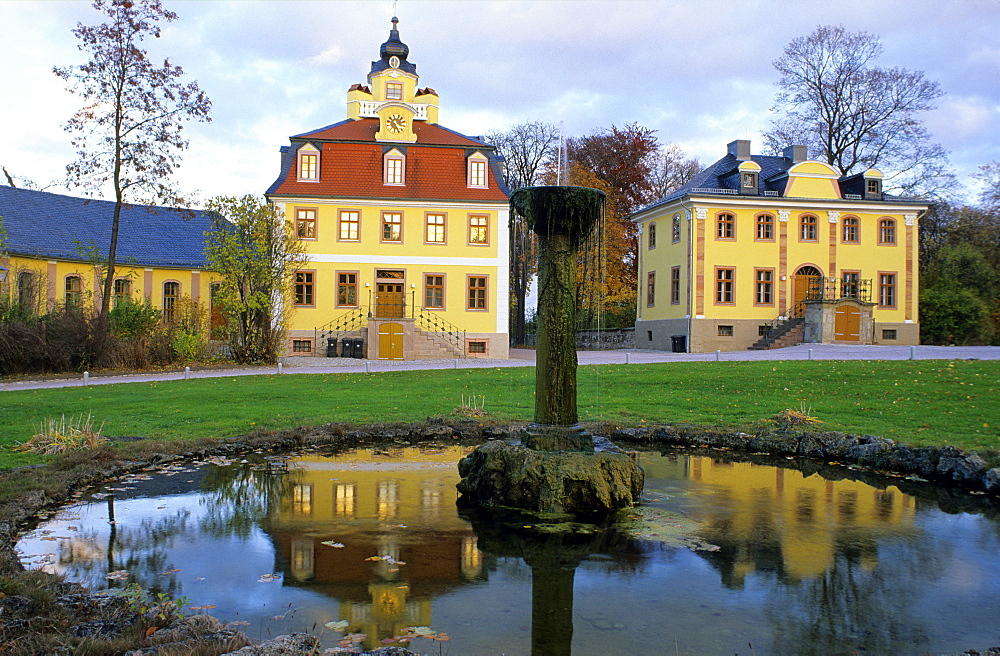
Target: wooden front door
[388,300]
[847,324]
[804,280]
[390,341]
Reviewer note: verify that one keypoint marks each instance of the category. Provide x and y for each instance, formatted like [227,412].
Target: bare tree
[670,169]
[856,115]
[129,132]
[989,175]
[526,149]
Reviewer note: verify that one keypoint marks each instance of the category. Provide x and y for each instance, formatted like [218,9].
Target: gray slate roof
[721,175]
[52,226]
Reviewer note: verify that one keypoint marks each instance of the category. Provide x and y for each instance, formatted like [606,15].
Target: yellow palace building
[404,223]
[765,251]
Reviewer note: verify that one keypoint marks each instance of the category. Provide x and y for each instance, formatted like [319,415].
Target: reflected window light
[387,499]
[344,497]
[472,557]
[430,499]
[303,564]
[302,500]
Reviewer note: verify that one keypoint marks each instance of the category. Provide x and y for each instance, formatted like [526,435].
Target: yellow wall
[146,282]
[785,254]
[754,499]
[455,259]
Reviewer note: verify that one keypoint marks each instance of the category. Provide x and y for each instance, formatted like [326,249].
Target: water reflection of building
[397,503]
[769,518]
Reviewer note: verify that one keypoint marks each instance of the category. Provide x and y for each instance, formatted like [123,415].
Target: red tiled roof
[365,129]
[354,170]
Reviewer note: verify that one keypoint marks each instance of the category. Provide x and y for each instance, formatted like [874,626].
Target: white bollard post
[86,378]
[280,365]
[626,357]
[913,352]
[810,354]
[187,373]
[366,367]
[718,355]
[455,366]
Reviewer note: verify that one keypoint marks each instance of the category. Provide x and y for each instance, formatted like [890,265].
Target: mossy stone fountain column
[562,217]
[555,470]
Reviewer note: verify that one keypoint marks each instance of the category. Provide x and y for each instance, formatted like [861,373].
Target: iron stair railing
[447,332]
[349,322]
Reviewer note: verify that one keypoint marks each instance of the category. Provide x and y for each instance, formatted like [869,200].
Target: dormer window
[477,175]
[748,180]
[394,163]
[393,91]
[308,164]
[873,184]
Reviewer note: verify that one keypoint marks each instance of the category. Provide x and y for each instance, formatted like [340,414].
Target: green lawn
[917,402]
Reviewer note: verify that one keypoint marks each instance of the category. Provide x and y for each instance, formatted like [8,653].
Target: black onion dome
[394,48]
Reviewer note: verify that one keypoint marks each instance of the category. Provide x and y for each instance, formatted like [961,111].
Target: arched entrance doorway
[804,281]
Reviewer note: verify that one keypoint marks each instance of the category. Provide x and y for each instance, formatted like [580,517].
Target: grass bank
[928,402]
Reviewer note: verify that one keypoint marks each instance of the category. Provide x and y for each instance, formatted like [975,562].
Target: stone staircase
[429,346]
[787,333]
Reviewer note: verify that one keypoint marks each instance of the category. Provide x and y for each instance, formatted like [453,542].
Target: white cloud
[698,73]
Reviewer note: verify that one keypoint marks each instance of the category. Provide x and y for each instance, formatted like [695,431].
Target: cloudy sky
[697,71]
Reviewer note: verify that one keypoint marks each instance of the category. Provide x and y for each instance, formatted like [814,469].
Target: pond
[366,546]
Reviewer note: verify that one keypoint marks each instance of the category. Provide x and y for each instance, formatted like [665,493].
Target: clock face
[396,123]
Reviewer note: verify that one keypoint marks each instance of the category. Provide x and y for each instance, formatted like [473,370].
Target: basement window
[889,334]
[725,331]
[476,347]
[302,346]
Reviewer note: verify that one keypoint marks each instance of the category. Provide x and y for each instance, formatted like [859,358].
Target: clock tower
[392,94]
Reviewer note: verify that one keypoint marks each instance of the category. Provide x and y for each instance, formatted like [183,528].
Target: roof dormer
[749,177]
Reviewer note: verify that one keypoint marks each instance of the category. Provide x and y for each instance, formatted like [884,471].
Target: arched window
[171,295]
[850,230]
[765,227]
[887,231]
[676,228]
[725,226]
[73,291]
[27,297]
[808,228]
[308,164]
[394,164]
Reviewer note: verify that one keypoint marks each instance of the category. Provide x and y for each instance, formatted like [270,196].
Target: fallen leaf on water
[339,625]
[205,607]
[119,575]
[331,543]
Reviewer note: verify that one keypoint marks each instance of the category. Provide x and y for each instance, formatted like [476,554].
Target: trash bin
[678,343]
[359,348]
[331,347]
[345,347]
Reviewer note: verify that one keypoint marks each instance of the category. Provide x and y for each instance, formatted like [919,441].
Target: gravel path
[526,358]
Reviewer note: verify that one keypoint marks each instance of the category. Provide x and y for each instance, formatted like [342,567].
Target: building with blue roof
[760,251]
[54,245]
